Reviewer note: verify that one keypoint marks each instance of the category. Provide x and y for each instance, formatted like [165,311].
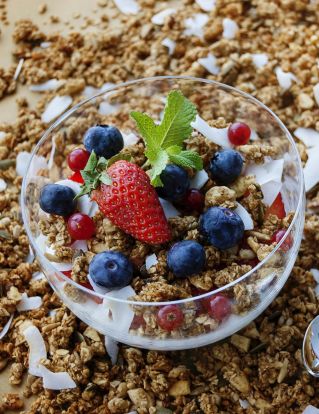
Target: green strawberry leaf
[92,162]
[187,159]
[105,178]
[118,157]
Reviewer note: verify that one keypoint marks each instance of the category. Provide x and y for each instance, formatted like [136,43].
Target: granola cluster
[258,370]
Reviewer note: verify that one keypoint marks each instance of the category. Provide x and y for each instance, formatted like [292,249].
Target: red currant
[137,321]
[77,177]
[81,226]
[78,158]
[219,307]
[194,200]
[170,317]
[278,235]
[239,133]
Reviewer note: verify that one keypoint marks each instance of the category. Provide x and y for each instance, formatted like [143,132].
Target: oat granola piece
[220,196]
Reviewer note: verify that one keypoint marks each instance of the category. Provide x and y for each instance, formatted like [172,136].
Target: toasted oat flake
[56,380]
[29,303]
[285,78]
[209,63]
[245,216]
[6,327]
[56,107]
[259,60]
[160,17]
[112,348]
[170,44]
[230,28]
[3,185]
[206,5]
[127,6]
[217,135]
[37,349]
[49,85]
[194,25]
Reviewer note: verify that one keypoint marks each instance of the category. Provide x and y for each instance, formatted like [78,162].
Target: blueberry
[175,183]
[57,199]
[104,140]
[226,166]
[111,269]
[222,227]
[186,258]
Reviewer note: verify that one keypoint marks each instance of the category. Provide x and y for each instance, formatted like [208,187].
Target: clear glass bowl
[121,319]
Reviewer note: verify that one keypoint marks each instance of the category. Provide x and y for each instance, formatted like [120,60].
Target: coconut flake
[259,60]
[62,267]
[3,185]
[315,274]
[22,163]
[316,93]
[18,69]
[93,209]
[56,380]
[150,261]
[160,17]
[285,78]
[230,28]
[2,136]
[170,44]
[6,327]
[80,245]
[129,139]
[127,6]
[84,203]
[270,191]
[169,209]
[253,135]
[206,5]
[112,348]
[311,169]
[310,409]
[29,303]
[45,45]
[97,288]
[199,180]
[244,404]
[106,108]
[194,25]
[209,64]
[52,154]
[217,135]
[50,85]
[56,107]
[90,91]
[106,86]
[269,171]
[309,136]
[38,276]
[245,216]
[37,349]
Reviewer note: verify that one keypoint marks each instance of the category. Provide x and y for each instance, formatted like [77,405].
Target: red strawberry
[277,208]
[132,204]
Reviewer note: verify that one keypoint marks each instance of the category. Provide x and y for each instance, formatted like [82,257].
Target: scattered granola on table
[258,370]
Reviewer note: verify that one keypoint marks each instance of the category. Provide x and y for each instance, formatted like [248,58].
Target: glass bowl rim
[73,109]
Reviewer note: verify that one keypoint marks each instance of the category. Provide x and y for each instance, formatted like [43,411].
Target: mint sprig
[164,142]
[95,173]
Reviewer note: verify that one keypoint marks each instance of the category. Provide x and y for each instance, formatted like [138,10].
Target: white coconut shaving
[169,209]
[50,85]
[253,135]
[97,288]
[310,409]
[52,154]
[259,60]
[269,171]
[56,107]
[93,209]
[112,348]
[127,6]
[194,25]
[245,216]
[122,314]
[62,267]
[206,5]
[309,136]
[6,328]
[170,44]
[311,169]
[209,63]
[30,257]
[129,139]
[84,203]
[230,28]
[2,136]
[29,303]
[3,185]
[199,180]
[80,245]
[38,276]
[244,404]
[159,18]
[106,108]
[315,274]
[37,349]
[285,78]
[316,93]
[90,91]
[18,70]
[270,191]
[217,135]
[45,45]
[22,163]
[56,380]
[150,261]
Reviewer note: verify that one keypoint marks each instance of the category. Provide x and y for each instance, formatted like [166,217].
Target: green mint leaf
[158,165]
[176,123]
[105,178]
[118,157]
[173,150]
[147,128]
[187,159]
